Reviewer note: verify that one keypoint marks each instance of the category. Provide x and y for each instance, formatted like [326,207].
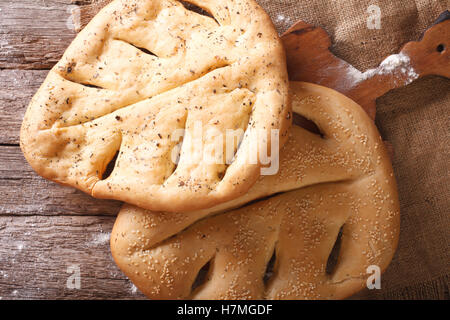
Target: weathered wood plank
[36,250]
[34,33]
[36,253]
[17,89]
[23,192]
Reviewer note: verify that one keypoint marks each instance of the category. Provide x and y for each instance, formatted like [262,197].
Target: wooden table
[46,231]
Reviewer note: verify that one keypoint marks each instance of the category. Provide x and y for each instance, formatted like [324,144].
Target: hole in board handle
[440,48]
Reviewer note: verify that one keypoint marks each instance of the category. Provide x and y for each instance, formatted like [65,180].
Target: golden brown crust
[139,71]
[343,180]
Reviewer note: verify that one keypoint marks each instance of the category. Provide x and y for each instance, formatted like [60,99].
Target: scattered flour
[100,239]
[133,289]
[394,64]
[280,18]
[283,22]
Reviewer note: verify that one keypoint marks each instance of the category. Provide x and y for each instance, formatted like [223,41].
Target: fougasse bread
[141,71]
[338,182]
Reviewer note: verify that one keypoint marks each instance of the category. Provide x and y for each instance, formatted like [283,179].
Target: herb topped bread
[140,72]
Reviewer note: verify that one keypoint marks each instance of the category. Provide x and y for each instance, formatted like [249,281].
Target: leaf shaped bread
[141,71]
[342,180]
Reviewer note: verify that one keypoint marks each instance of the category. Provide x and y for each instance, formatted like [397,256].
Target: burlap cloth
[414,119]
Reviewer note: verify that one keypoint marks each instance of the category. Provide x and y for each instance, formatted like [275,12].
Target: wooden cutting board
[309,59]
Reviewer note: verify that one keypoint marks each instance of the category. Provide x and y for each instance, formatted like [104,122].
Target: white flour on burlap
[394,64]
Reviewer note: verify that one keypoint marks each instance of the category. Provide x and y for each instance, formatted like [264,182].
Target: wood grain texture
[36,252]
[34,33]
[23,192]
[18,87]
[45,228]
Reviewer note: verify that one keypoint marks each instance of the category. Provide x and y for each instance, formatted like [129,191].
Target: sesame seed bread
[142,70]
[342,180]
